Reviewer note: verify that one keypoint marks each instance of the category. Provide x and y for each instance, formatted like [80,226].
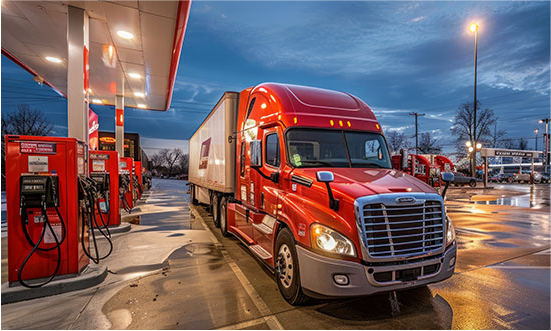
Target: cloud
[418,19]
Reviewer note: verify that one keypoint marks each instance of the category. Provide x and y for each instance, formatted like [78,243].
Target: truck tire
[472,183]
[215,207]
[223,217]
[192,196]
[287,270]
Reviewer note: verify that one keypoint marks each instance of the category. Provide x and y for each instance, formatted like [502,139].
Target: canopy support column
[77,73]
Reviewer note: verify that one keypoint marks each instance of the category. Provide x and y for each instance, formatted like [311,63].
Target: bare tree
[522,144]
[462,127]
[497,135]
[170,158]
[396,141]
[183,164]
[428,144]
[26,121]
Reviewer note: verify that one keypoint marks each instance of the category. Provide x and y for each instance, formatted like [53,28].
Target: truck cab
[317,200]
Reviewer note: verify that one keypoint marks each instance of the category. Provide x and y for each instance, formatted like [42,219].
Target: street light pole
[416,115]
[536,140]
[546,140]
[474,28]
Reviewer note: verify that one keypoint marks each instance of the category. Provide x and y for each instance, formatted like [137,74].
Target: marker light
[139,94]
[348,122]
[53,59]
[141,105]
[295,120]
[377,126]
[263,106]
[331,122]
[125,34]
[135,75]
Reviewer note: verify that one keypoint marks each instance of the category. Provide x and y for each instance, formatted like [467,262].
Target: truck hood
[357,182]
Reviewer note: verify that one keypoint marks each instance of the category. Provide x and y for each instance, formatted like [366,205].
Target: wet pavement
[175,271]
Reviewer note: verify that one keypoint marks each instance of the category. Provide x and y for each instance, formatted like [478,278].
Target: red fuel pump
[104,169]
[126,165]
[138,177]
[45,221]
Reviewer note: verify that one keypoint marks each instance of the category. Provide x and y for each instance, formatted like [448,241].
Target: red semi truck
[303,177]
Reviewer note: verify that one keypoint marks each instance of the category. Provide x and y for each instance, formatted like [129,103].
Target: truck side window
[251,105]
[272,150]
[242,158]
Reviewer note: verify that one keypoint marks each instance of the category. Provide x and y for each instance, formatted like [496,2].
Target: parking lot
[208,281]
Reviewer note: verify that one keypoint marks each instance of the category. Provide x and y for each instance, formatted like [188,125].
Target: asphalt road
[502,280]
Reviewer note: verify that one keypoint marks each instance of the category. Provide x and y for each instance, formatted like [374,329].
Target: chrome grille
[397,230]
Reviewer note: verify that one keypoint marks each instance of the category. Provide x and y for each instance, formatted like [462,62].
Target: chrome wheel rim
[285,266]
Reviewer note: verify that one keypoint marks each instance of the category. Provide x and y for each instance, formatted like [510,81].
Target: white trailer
[212,154]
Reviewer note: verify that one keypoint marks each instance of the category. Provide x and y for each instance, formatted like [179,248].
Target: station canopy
[33,31]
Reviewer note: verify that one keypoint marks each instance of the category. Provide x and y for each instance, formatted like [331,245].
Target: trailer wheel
[223,217]
[192,196]
[287,270]
[472,183]
[215,207]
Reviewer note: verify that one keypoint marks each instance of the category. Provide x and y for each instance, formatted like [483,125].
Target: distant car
[501,178]
[544,177]
[461,179]
[522,176]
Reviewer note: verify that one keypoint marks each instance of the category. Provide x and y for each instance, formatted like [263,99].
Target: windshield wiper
[317,162]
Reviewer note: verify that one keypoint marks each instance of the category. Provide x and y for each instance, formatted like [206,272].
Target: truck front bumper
[319,274]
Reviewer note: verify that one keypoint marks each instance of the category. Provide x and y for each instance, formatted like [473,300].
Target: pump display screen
[318,148]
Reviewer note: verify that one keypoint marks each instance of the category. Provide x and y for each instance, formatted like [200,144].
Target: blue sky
[396,56]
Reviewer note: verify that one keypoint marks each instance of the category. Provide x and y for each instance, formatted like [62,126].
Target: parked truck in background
[303,177]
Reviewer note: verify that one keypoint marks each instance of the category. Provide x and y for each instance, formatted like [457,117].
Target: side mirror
[256,153]
[325,176]
[274,177]
[447,177]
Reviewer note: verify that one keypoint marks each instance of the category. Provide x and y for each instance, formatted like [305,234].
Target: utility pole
[416,115]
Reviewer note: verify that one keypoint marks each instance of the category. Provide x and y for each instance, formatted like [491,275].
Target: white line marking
[269,317]
[518,267]
[242,325]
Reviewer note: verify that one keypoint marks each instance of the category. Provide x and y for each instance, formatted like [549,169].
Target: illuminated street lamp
[536,139]
[474,28]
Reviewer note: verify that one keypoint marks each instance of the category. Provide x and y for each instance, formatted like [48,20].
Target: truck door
[267,182]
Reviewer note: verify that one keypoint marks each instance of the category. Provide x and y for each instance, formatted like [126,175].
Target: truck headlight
[331,241]
[450,232]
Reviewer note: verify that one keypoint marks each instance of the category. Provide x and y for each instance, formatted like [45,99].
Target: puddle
[518,201]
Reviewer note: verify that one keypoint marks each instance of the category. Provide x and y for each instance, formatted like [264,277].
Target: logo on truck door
[204,156]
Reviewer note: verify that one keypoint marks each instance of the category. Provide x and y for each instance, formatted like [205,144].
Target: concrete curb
[93,275]
[123,227]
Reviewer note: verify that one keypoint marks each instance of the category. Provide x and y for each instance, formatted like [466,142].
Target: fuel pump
[124,187]
[104,170]
[43,208]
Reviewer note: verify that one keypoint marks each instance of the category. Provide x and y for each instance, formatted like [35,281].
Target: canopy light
[135,75]
[125,34]
[53,59]
[141,105]
[97,101]
[139,94]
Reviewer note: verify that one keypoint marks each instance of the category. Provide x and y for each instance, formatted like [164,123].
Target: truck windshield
[318,148]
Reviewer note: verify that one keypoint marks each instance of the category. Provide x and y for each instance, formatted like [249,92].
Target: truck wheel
[287,270]
[215,206]
[223,217]
[192,196]
[472,183]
